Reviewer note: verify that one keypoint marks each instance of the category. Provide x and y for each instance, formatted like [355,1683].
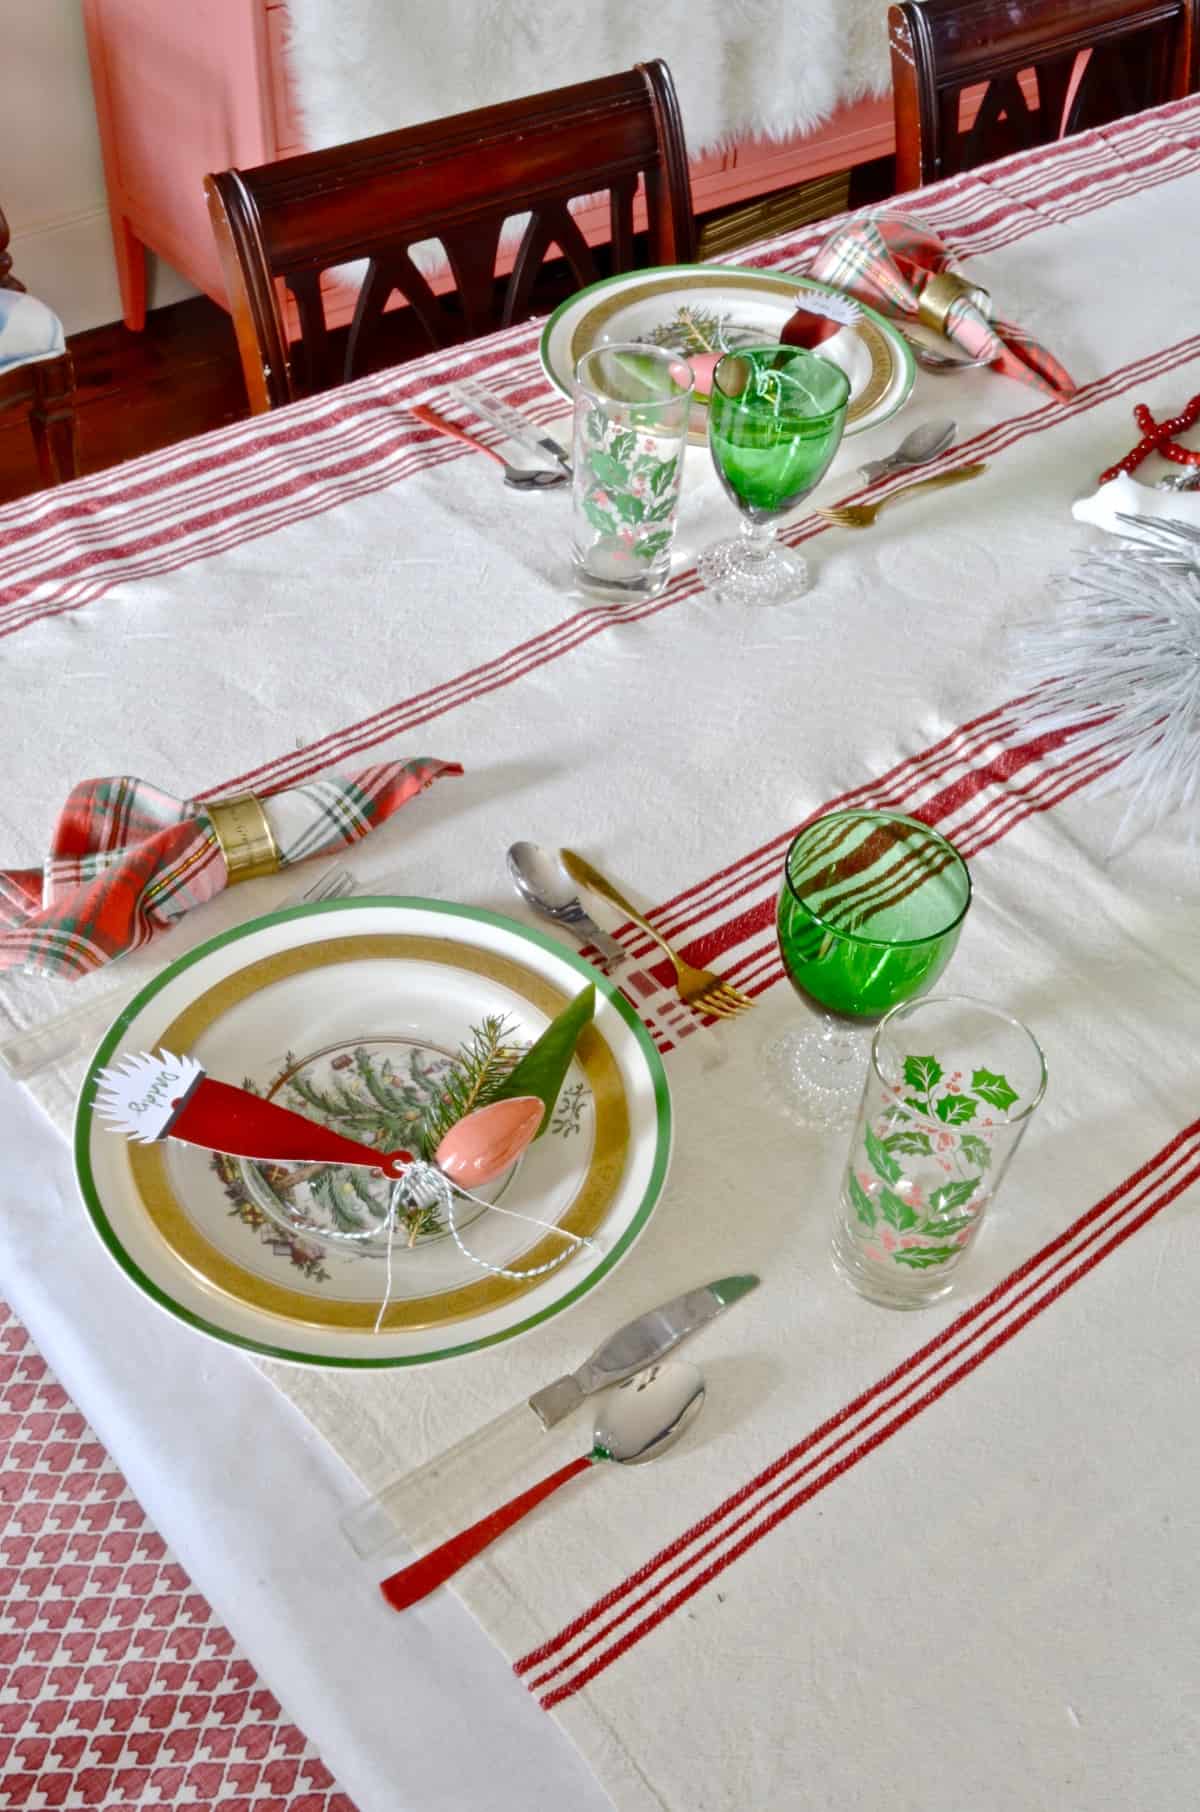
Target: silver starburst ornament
[1122,659]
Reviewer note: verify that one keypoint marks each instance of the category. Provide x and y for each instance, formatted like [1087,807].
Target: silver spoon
[542,882]
[918,445]
[1186,480]
[636,1422]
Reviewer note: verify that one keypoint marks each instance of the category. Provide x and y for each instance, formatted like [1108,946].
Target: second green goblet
[870,910]
[775,421]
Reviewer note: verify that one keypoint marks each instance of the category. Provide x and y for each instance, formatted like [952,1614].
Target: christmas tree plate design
[351,1012]
[706,310]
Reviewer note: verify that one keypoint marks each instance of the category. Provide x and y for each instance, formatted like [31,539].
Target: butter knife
[497,413]
[414,1507]
[638,1344]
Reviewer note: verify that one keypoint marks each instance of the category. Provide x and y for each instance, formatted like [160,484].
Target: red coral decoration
[1159,437]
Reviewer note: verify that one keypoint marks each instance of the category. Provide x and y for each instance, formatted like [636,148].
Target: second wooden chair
[1007,54]
[457,180]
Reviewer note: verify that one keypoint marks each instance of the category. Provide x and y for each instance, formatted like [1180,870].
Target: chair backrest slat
[458,181]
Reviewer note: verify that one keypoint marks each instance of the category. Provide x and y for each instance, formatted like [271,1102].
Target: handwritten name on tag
[141,1095]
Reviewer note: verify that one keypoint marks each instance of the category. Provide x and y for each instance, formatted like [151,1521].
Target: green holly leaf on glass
[599,518]
[955,1110]
[863,1205]
[996,1089]
[658,512]
[953,1195]
[946,1226]
[628,507]
[622,445]
[597,426]
[912,1141]
[651,546]
[896,1211]
[608,471]
[922,1072]
[661,472]
[976,1151]
[922,1258]
[882,1161]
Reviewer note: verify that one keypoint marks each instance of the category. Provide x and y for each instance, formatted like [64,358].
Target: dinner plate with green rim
[712,308]
[350,1012]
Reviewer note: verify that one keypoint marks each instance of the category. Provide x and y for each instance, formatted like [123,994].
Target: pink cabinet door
[180,90]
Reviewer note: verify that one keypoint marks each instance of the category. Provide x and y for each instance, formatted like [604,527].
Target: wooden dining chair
[1036,70]
[458,180]
[36,372]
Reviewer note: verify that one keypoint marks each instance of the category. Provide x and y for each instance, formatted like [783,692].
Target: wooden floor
[139,391]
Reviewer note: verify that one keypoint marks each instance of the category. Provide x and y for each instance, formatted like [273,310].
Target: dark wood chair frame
[456,180]
[1142,52]
[46,387]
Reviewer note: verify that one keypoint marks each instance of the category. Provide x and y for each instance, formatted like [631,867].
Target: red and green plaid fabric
[127,860]
[886,261]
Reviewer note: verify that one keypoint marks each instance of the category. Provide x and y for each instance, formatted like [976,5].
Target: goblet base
[814,1073]
[753,570]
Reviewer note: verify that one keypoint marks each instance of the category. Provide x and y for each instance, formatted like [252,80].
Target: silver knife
[493,409]
[639,1343]
[417,1506]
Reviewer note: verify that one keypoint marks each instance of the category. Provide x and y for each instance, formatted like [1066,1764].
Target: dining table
[916,1561]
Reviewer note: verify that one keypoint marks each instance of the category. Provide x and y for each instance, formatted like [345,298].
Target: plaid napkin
[886,261]
[128,860]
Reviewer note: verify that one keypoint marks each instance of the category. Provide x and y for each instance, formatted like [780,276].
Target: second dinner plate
[703,308]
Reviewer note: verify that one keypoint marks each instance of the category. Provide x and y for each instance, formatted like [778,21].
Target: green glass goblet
[775,421]
[870,910]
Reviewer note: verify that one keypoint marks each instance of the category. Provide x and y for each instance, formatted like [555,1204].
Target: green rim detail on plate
[112,1038]
[897,340]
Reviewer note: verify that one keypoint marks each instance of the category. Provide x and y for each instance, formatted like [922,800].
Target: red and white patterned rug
[118,1685]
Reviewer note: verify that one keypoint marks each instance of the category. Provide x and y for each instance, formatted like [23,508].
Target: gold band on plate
[247,841]
[940,294]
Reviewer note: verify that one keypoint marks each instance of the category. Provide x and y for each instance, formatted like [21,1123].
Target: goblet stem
[758,539]
[814,1072]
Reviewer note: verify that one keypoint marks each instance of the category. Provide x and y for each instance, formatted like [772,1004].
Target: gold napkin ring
[940,294]
[247,841]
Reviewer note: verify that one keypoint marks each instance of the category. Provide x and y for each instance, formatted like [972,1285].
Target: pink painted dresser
[187,86]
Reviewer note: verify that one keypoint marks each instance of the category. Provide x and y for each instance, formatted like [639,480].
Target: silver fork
[78,1028]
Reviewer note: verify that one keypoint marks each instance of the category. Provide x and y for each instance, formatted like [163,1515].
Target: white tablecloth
[994,1582]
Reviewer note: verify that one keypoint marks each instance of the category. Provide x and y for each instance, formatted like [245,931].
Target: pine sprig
[478,1071]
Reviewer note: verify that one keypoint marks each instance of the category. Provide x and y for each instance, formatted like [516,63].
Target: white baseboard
[68,263]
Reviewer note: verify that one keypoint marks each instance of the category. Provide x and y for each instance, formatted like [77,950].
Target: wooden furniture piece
[1047,68]
[458,181]
[217,74]
[46,388]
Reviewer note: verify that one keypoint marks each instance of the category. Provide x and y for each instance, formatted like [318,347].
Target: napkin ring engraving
[247,841]
[940,294]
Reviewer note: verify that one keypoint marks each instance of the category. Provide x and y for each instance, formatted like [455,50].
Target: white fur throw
[763,67]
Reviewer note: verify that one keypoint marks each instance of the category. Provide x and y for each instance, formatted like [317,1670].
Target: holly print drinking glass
[632,407]
[870,910]
[775,421]
[951,1088]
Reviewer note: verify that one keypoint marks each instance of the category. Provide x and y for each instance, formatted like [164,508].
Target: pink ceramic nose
[485,1143]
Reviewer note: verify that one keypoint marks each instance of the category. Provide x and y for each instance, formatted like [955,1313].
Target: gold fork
[862,515]
[698,988]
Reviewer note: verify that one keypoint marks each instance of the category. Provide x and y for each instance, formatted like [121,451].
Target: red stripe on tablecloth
[246,445]
[985,189]
[757,969]
[1166,1175]
[525,657]
[230,482]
